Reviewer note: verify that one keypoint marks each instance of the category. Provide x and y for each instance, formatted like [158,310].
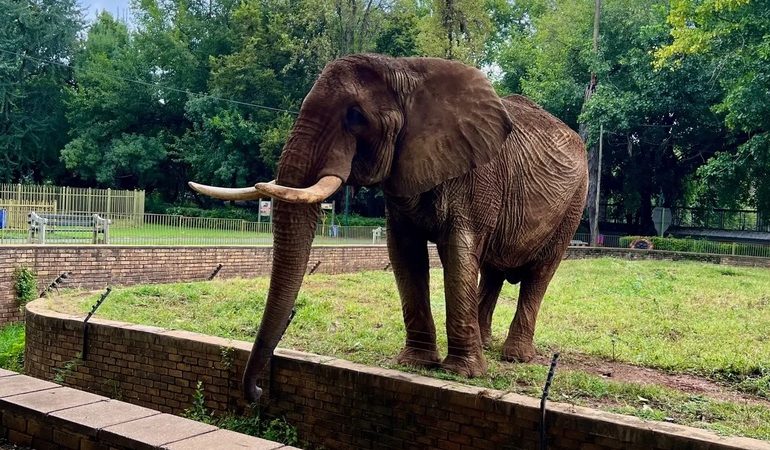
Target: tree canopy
[208,89]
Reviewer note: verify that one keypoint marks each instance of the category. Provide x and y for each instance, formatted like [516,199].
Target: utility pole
[595,233]
[594,164]
[347,205]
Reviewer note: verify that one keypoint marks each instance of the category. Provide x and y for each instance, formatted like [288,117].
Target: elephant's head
[407,123]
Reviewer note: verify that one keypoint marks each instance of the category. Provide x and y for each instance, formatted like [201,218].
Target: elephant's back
[548,168]
[546,155]
[533,125]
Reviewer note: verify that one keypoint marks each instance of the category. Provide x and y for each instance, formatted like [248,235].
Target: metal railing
[16,199]
[162,229]
[702,218]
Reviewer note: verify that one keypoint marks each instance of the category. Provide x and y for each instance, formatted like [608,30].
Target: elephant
[497,184]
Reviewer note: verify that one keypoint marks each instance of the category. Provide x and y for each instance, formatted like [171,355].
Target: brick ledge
[616,427]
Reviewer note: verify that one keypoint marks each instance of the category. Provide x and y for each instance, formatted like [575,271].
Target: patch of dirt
[618,371]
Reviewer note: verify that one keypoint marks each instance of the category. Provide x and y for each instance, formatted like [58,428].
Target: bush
[354,220]
[12,347]
[698,246]
[198,411]
[24,284]
[277,430]
[219,213]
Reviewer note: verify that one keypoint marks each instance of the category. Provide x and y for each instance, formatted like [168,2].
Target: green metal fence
[19,199]
[163,229]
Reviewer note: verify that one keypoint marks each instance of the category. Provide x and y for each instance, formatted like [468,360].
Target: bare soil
[618,371]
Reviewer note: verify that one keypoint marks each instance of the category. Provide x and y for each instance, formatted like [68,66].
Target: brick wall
[332,402]
[95,267]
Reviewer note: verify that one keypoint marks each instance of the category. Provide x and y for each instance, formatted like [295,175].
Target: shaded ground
[5,445]
[618,371]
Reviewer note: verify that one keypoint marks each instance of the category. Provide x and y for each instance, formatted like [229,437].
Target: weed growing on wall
[277,430]
[61,373]
[198,411]
[24,284]
[12,347]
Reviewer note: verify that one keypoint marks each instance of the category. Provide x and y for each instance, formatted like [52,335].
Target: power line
[156,85]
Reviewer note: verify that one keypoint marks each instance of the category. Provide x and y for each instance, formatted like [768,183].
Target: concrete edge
[131,437]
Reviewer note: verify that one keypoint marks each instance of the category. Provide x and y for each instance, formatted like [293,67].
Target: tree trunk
[593,157]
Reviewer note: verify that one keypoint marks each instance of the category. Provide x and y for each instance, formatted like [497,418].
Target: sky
[114,7]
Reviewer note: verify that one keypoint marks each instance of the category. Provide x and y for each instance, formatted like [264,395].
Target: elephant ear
[453,122]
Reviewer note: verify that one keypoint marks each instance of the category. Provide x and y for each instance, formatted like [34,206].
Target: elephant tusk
[323,188]
[249,193]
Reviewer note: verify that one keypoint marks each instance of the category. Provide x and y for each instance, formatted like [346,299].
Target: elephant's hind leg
[519,345]
[489,290]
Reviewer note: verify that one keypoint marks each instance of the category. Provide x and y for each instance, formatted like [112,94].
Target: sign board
[327,205]
[661,218]
[265,207]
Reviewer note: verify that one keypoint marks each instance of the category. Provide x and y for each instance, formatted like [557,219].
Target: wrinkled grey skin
[497,184]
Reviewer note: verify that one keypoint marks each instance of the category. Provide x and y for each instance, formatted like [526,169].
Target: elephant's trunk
[294,226]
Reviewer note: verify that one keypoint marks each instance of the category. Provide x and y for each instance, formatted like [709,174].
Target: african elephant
[498,184]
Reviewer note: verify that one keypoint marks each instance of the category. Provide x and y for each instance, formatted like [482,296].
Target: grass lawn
[12,347]
[151,234]
[681,317]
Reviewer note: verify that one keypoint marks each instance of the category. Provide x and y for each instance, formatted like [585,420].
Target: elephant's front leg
[409,258]
[461,269]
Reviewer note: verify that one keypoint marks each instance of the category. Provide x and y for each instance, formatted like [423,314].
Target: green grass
[12,347]
[681,317]
[150,234]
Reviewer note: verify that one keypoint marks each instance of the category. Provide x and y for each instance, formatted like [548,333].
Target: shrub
[699,246]
[354,220]
[248,215]
[198,411]
[277,430]
[24,284]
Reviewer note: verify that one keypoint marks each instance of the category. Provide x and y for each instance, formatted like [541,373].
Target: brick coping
[614,425]
[43,414]
[572,252]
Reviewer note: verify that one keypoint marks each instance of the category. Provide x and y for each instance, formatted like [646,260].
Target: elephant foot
[518,350]
[486,338]
[418,357]
[473,365]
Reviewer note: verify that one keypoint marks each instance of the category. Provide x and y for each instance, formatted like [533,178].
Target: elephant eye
[355,119]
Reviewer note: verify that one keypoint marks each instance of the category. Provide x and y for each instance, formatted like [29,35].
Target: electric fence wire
[154,85]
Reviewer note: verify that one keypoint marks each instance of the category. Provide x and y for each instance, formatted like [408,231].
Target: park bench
[377,234]
[41,224]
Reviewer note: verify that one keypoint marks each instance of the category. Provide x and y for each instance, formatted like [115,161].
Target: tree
[37,38]
[118,138]
[354,24]
[279,46]
[455,29]
[731,35]
[399,30]
[659,126]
